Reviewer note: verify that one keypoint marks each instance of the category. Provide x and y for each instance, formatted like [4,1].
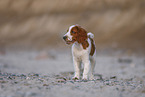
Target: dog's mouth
[69,42]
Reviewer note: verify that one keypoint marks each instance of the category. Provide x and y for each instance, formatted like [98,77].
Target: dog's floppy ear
[77,27]
[82,34]
[82,37]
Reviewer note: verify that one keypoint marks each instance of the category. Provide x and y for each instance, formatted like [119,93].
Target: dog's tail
[90,35]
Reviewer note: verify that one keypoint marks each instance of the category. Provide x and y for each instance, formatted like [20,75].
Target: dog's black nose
[64,37]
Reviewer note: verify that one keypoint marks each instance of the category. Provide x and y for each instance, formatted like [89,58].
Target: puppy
[83,51]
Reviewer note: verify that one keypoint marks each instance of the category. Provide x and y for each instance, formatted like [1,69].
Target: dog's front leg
[77,67]
[86,63]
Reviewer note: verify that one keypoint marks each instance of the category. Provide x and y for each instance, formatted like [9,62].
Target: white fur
[90,35]
[68,33]
[81,55]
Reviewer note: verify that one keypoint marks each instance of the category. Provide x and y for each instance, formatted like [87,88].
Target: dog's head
[75,33]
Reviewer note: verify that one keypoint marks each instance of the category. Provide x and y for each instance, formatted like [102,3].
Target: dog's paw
[75,78]
[84,80]
[85,77]
[92,78]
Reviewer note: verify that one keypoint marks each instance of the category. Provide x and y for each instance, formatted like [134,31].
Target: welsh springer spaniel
[83,51]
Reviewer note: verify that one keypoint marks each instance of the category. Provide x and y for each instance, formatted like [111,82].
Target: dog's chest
[78,50]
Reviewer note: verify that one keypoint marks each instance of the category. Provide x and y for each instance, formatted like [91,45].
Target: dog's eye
[73,32]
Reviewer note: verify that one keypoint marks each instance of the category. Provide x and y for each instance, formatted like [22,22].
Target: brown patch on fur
[85,44]
[80,35]
[92,47]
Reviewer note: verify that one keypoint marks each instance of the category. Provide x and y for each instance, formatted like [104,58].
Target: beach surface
[48,73]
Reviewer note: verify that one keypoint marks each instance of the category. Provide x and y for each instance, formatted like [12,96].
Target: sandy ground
[48,74]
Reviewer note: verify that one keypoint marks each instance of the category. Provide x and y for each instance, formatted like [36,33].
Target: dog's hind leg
[93,63]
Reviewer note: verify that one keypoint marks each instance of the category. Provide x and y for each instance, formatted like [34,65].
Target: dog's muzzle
[64,37]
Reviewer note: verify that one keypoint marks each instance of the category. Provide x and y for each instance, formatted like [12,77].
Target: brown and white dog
[83,51]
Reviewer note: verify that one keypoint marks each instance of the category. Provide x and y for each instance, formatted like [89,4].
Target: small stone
[61,80]
[1,78]
[22,75]
[117,89]
[41,80]
[75,79]
[113,77]
[64,78]
[3,81]
[13,74]
[28,78]
[15,82]
[107,84]
[45,85]
[9,77]
[27,84]
[71,81]
[36,74]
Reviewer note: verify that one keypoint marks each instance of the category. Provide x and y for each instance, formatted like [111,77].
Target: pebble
[27,84]
[71,81]
[13,74]
[113,77]
[3,81]
[45,84]
[1,78]
[22,75]
[42,80]
[61,81]
[28,78]
[9,77]
[36,75]
[117,89]
[16,82]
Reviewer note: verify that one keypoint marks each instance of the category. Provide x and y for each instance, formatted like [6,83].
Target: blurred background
[116,24]
[35,61]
